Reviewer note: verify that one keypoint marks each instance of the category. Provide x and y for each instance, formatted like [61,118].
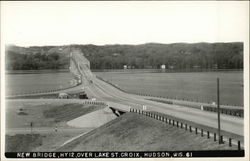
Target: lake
[19,82]
[198,86]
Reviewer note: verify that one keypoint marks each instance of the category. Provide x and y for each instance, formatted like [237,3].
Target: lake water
[20,82]
[198,86]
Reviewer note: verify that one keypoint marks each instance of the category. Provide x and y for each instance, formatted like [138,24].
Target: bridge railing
[91,102]
[224,110]
[158,96]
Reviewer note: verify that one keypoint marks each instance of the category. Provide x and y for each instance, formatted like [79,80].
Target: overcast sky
[59,23]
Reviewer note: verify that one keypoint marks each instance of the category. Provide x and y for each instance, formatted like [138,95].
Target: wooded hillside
[177,56]
[151,55]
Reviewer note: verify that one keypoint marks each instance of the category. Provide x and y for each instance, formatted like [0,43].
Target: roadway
[105,92]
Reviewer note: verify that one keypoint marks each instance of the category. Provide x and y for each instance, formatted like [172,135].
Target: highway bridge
[121,102]
[103,91]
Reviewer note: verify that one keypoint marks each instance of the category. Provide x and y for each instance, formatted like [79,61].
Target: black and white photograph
[128,79]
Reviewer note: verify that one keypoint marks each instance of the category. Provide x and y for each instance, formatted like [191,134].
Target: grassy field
[44,115]
[49,124]
[22,142]
[133,132]
[196,86]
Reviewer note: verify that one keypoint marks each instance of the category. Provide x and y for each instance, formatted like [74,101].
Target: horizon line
[112,44]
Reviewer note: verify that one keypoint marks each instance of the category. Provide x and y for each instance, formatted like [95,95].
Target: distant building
[63,96]
[125,67]
[196,66]
[116,54]
[215,66]
[163,66]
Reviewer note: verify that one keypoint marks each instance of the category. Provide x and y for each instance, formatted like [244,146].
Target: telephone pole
[218,109]
[31,126]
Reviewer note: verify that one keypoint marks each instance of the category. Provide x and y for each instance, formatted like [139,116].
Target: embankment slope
[133,132]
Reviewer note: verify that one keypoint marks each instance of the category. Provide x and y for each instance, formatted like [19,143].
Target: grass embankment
[68,112]
[22,143]
[133,132]
[45,117]
[39,142]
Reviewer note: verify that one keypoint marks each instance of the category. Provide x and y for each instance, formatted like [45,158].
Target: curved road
[105,92]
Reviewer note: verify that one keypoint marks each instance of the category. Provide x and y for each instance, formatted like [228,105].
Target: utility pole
[31,126]
[218,109]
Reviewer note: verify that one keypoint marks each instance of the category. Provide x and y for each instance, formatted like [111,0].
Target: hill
[150,55]
[174,56]
[36,58]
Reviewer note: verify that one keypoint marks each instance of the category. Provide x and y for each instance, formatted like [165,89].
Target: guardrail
[190,128]
[42,91]
[232,112]
[90,102]
[165,97]
[113,85]
[176,99]
[212,108]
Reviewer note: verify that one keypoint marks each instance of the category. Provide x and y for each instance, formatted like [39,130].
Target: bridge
[122,101]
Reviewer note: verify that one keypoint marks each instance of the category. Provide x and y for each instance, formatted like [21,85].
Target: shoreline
[42,71]
[165,70]
[123,70]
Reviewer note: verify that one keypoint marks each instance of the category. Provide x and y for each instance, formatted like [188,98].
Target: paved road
[106,92]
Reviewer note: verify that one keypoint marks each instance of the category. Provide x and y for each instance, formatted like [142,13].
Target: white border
[246,96]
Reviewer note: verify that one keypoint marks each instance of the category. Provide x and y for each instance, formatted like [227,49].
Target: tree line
[35,61]
[177,56]
[151,55]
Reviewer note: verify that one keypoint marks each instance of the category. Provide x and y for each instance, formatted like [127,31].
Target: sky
[63,23]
